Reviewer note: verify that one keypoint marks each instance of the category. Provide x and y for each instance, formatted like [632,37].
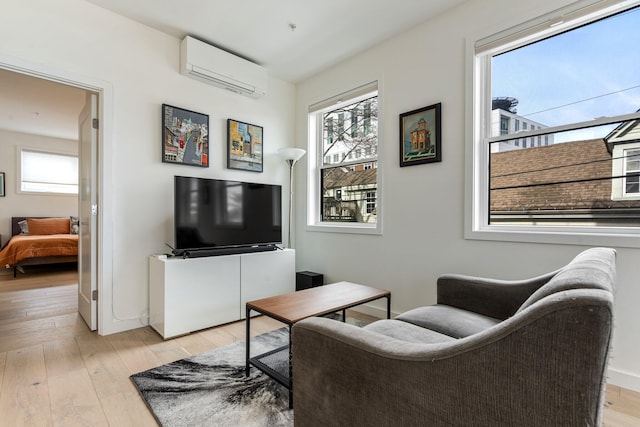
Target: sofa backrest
[592,269]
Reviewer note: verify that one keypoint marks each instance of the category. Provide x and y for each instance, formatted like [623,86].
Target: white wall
[424,205]
[22,204]
[141,66]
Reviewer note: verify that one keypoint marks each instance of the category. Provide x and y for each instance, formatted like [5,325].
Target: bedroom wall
[424,205]
[141,66]
[20,204]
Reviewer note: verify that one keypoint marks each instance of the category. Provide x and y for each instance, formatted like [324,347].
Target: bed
[40,240]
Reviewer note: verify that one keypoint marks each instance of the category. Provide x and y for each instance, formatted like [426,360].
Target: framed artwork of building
[185,137]
[420,136]
[244,146]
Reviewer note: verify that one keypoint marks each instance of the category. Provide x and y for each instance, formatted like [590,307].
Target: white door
[88,206]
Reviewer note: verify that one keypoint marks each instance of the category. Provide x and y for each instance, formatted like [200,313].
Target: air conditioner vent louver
[214,66]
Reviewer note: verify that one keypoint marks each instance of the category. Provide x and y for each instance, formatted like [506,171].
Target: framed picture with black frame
[2,184]
[420,136]
[185,136]
[244,146]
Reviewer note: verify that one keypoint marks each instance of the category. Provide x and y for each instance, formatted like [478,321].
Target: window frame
[55,152]
[479,51]
[315,157]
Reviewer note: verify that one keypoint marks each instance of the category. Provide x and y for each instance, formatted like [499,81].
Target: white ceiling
[325,33]
[39,107]
[293,39]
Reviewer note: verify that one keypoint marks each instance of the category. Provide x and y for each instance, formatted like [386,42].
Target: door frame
[104,90]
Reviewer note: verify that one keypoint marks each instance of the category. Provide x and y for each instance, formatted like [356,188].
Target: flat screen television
[214,216]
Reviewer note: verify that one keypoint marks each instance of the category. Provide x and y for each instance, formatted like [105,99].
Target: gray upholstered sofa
[489,353]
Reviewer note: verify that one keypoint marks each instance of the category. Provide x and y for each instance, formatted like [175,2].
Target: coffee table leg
[290,370]
[247,336]
[389,306]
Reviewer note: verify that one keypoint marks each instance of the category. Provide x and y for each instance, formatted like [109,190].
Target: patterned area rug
[211,389]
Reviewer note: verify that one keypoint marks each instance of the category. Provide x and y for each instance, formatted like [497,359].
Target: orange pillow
[43,226]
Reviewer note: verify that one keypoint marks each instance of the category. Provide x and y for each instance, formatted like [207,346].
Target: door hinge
[95,123]
[94,295]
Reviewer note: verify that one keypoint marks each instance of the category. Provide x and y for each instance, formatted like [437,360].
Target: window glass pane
[572,77]
[632,158]
[48,172]
[340,145]
[349,194]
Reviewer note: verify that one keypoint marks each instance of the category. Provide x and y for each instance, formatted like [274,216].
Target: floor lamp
[291,156]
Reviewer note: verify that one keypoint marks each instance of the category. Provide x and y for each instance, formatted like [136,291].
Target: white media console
[189,294]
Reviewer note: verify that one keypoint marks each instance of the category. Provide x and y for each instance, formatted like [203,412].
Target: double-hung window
[570,81]
[46,172]
[344,190]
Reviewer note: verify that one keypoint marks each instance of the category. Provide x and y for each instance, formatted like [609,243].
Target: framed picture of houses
[244,146]
[420,136]
[185,136]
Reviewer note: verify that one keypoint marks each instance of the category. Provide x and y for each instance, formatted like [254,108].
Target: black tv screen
[213,213]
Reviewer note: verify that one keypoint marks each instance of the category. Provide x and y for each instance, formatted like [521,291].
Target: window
[566,186]
[632,171]
[371,202]
[46,172]
[504,125]
[343,193]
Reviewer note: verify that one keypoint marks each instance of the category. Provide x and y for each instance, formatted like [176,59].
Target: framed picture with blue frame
[420,136]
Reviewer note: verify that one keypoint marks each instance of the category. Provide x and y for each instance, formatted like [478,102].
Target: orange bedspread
[23,247]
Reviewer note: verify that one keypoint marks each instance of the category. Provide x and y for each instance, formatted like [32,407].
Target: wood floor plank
[74,401]
[136,356]
[3,361]
[166,351]
[24,398]
[127,409]
[62,357]
[108,372]
[195,343]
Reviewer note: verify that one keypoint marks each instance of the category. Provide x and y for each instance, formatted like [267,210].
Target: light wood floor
[55,372]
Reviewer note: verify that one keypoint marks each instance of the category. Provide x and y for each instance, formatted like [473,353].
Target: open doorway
[41,115]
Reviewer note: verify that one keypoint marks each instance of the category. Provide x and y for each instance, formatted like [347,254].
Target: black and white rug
[211,389]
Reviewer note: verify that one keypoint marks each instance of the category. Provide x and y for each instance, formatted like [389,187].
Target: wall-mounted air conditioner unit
[212,65]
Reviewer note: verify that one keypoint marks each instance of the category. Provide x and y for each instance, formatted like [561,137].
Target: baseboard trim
[623,379]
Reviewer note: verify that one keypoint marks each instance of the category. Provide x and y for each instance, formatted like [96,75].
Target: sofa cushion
[407,332]
[591,269]
[451,321]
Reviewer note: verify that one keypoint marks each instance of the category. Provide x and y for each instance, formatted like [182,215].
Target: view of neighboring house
[583,182]
[350,195]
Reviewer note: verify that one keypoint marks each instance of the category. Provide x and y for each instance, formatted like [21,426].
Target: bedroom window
[343,148]
[586,109]
[48,173]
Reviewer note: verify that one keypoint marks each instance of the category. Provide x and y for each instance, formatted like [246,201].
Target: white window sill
[352,228]
[612,237]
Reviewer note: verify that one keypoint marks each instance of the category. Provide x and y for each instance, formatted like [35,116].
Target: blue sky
[599,61]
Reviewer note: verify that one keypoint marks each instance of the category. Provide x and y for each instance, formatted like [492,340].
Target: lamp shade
[291,153]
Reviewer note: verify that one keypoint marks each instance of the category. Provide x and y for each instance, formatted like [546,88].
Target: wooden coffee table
[293,307]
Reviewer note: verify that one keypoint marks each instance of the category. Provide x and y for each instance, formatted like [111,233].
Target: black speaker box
[308,279]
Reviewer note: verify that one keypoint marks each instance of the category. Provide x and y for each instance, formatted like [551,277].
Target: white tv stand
[187,295]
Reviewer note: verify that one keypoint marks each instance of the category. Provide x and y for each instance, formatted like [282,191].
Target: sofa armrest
[345,375]
[494,298]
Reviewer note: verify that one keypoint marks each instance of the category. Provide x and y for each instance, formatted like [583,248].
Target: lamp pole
[291,163]
[291,156]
